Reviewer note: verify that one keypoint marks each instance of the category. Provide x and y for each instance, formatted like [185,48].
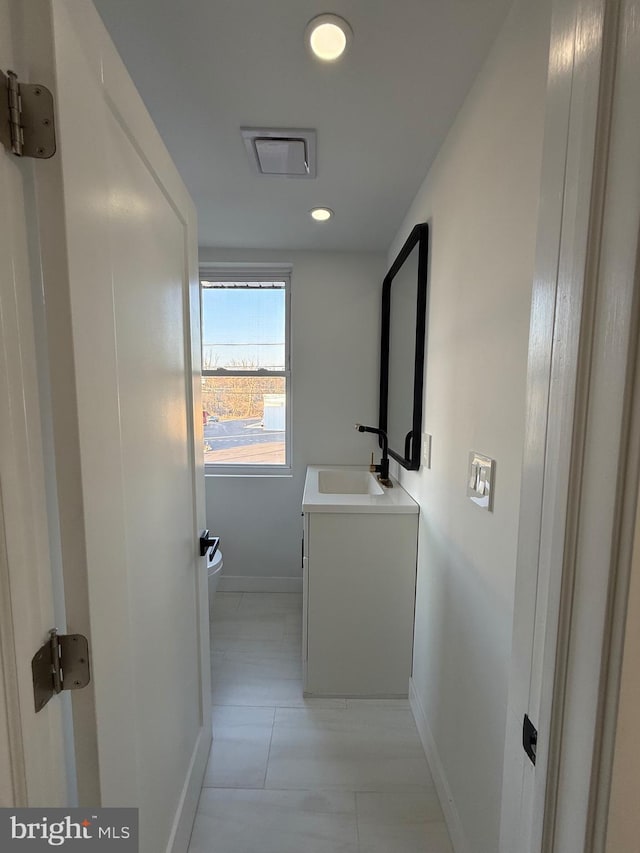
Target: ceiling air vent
[285,152]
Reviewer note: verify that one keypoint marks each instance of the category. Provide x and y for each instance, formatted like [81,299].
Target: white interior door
[32,763]
[578,466]
[119,257]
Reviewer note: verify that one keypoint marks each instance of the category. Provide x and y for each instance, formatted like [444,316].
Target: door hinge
[62,663]
[27,126]
[529,739]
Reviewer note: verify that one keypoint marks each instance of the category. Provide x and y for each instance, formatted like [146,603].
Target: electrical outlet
[426,449]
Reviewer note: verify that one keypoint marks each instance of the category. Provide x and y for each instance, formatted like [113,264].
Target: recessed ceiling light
[328,37]
[321,214]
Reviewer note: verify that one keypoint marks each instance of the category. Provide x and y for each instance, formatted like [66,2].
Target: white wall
[480,198]
[335,323]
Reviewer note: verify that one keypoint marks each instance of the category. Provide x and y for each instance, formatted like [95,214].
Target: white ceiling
[205,68]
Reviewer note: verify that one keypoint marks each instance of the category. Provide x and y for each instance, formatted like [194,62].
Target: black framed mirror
[404,316]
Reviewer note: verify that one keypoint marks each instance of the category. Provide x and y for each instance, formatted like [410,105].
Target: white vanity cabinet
[359,570]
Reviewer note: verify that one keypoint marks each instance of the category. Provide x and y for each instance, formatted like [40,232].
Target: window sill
[284,474]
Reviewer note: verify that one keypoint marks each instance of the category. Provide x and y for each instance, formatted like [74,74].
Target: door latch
[529,739]
[208,544]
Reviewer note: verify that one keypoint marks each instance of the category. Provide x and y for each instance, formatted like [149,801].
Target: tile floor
[294,775]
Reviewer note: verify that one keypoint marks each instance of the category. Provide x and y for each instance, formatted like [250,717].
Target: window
[245,373]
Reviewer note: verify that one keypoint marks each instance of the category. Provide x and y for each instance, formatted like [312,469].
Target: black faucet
[383,468]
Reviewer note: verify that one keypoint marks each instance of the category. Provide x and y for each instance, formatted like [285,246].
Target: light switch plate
[426,449]
[481,479]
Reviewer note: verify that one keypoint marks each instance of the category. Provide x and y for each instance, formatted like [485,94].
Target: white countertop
[394,500]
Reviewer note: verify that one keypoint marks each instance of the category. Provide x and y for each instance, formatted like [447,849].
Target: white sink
[331,488]
[333,482]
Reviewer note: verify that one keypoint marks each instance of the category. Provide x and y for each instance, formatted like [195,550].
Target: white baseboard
[186,811]
[452,819]
[242,583]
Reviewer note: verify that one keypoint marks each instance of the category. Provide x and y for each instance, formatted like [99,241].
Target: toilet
[214,568]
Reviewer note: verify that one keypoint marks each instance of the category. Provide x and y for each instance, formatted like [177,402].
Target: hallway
[287,774]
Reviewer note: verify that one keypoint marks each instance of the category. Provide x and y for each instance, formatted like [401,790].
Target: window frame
[225,272]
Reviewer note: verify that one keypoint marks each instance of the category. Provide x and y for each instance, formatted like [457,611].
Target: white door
[117,245]
[580,467]
[32,766]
